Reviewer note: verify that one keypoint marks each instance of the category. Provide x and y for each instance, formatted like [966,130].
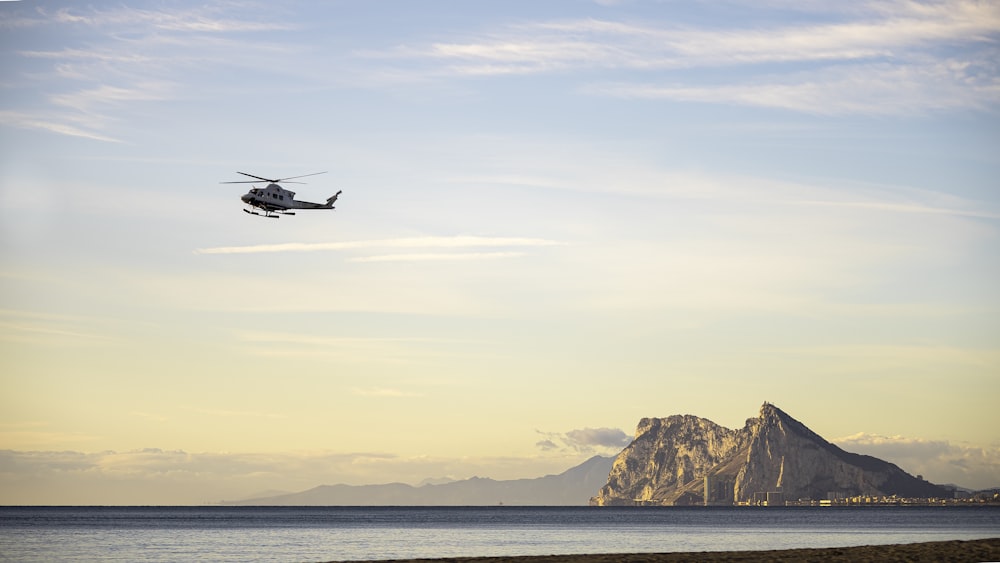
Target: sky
[557,218]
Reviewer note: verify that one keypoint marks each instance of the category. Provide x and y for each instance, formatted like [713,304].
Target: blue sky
[557,218]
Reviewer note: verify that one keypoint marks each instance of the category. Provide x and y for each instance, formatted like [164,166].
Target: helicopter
[274,200]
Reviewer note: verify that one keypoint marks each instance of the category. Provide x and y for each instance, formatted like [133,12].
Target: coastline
[953,551]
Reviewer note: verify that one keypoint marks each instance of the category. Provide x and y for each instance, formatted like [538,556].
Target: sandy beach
[950,551]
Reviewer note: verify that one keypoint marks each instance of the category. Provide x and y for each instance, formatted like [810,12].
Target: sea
[315,534]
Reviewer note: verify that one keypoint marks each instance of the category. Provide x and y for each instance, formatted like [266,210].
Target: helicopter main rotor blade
[258,177]
[256,181]
[242,182]
[292,177]
[269,180]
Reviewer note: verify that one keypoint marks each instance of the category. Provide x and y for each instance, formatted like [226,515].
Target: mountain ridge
[572,487]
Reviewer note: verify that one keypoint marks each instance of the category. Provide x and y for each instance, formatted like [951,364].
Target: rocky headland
[687,460]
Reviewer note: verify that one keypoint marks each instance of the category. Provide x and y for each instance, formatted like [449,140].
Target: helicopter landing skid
[268,215]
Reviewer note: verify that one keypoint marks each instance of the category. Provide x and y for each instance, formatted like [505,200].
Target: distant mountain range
[574,486]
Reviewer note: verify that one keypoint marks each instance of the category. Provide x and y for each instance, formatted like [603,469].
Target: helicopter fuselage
[275,199]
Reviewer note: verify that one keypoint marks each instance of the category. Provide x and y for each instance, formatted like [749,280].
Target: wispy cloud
[455,242]
[205,18]
[878,57]
[438,257]
[882,88]
[86,100]
[86,113]
[633,178]
[892,207]
[601,43]
[133,56]
[77,54]
[53,122]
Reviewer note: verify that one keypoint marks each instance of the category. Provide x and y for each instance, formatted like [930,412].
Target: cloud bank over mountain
[939,461]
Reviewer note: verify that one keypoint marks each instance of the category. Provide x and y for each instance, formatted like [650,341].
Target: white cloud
[938,461]
[455,242]
[438,257]
[585,440]
[589,43]
[614,438]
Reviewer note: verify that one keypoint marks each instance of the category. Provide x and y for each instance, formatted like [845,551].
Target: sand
[942,551]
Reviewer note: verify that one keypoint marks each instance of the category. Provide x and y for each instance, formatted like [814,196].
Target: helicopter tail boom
[296,204]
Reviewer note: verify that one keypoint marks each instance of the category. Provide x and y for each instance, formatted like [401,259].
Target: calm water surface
[345,533]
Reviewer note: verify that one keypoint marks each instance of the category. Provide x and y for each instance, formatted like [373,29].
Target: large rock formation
[680,459]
